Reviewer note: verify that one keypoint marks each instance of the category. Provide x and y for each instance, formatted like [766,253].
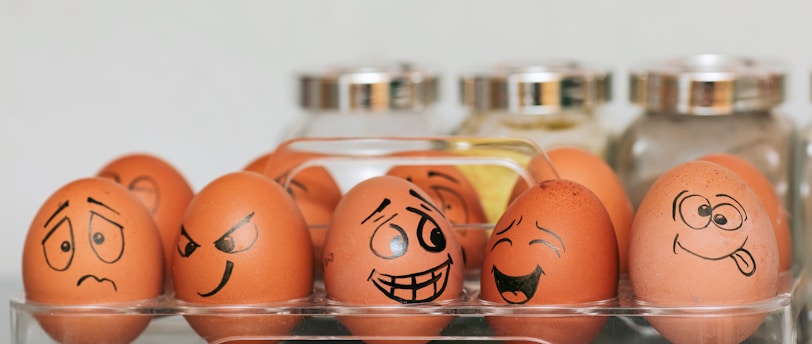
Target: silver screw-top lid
[368,88]
[708,85]
[544,88]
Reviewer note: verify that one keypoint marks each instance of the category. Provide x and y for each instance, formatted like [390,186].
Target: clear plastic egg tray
[483,160]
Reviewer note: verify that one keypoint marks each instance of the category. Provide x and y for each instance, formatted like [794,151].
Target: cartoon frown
[702,237]
[92,242]
[388,243]
[242,241]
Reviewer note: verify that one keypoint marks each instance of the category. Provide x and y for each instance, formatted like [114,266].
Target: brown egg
[161,188]
[553,245]
[457,198]
[769,198]
[242,241]
[390,244]
[702,237]
[592,171]
[313,189]
[92,242]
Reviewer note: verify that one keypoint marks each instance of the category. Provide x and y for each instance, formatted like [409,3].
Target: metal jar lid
[708,85]
[544,88]
[372,88]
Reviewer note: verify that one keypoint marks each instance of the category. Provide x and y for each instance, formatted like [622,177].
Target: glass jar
[384,100]
[704,104]
[551,103]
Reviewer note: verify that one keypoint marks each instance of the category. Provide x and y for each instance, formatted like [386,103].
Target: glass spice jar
[702,104]
[385,100]
[551,103]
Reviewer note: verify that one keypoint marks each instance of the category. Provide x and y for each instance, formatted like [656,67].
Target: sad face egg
[92,242]
[702,237]
[390,244]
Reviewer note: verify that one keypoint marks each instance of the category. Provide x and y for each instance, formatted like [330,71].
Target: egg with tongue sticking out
[389,244]
[701,237]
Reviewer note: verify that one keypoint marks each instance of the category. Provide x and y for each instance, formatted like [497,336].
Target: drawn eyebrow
[58,210]
[674,205]
[94,201]
[385,203]
[737,202]
[433,173]
[238,225]
[545,230]
[509,226]
[416,195]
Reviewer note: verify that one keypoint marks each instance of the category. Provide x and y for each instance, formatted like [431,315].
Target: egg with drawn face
[242,241]
[554,244]
[92,242]
[390,244]
[702,237]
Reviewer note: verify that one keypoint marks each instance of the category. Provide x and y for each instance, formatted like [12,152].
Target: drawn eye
[186,246]
[389,241]
[238,239]
[429,234]
[695,211]
[727,217]
[146,189]
[452,203]
[106,238]
[58,245]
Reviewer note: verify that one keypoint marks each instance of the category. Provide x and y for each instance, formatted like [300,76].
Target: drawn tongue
[744,261]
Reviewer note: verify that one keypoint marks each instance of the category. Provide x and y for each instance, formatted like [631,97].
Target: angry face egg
[242,241]
[702,237]
[389,243]
[553,245]
[92,242]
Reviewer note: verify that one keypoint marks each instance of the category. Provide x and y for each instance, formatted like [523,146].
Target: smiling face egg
[92,242]
[702,237]
[389,243]
[242,241]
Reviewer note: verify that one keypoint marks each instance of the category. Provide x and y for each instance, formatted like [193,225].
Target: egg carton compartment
[493,166]
[319,320]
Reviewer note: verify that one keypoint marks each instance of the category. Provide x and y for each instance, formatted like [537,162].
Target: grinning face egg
[389,243]
[92,242]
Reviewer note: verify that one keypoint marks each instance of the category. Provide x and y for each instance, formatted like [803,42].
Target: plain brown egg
[769,198]
[456,197]
[592,171]
[258,164]
[242,241]
[91,243]
[701,237]
[554,245]
[161,188]
[390,244]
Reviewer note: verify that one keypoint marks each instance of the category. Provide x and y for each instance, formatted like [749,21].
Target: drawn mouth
[223,280]
[741,257]
[517,289]
[423,286]
[98,280]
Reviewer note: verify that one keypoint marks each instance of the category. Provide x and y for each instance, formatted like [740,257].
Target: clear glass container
[704,104]
[367,100]
[552,103]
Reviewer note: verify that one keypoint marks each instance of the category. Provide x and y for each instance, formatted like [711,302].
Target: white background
[209,85]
